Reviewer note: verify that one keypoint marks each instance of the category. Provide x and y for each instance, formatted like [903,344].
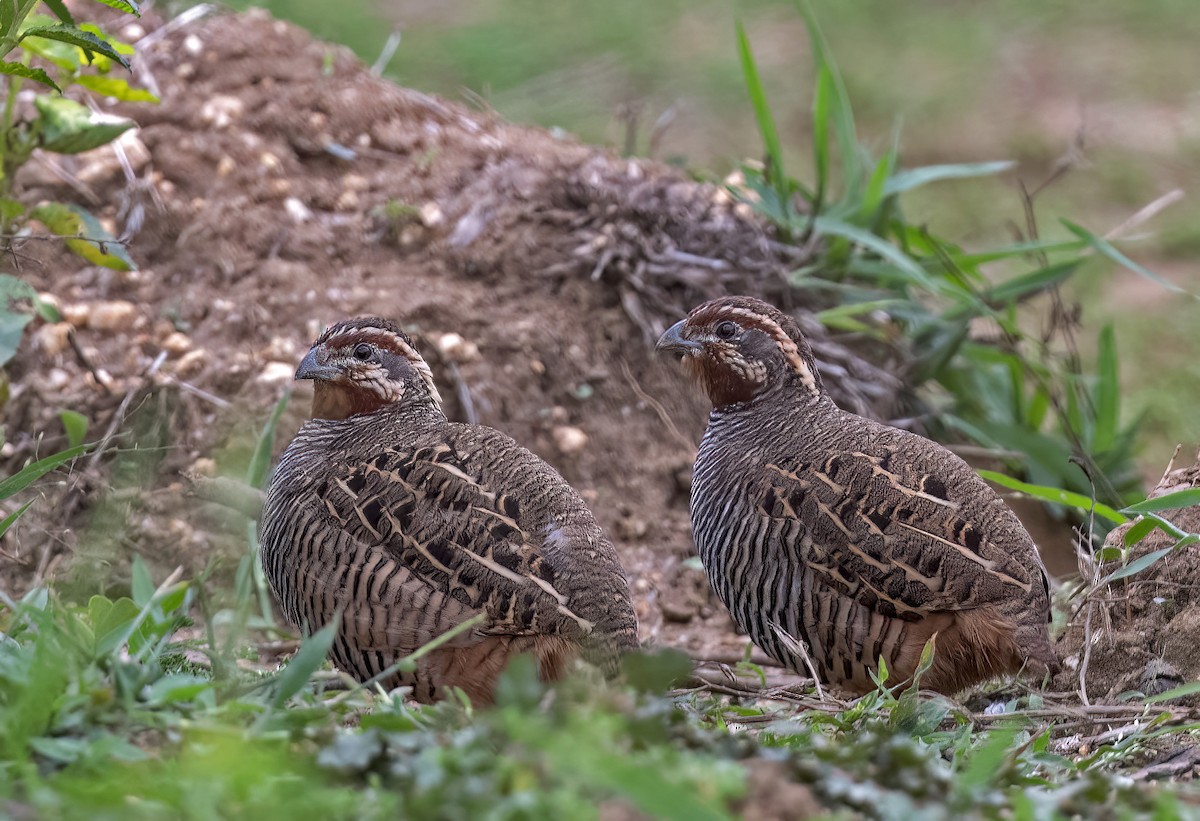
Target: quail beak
[672,341]
[310,368]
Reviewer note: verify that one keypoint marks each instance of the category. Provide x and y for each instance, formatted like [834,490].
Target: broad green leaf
[46,310]
[1055,495]
[1109,250]
[114,628]
[63,55]
[36,470]
[85,40]
[28,73]
[84,235]
[762,108]
[8,14]
[1171,501]
[127,6]
[75,424]
[141,585]
[260,463]
[1108,393]
[12,322]
[116,87]
[70,128]
[59,8]
[912,178]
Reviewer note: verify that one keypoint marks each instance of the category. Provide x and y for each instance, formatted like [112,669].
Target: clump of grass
[1024,396]
[125,707]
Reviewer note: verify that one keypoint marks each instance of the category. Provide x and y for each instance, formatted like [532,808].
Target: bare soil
[280,186]
[1142,634]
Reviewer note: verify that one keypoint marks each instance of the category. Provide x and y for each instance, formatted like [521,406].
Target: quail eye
[363,352]
[727,330]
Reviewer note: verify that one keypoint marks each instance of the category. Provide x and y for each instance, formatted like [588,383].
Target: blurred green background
[1107,88]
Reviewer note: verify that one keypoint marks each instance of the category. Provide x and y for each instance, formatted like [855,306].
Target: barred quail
[410,524]
[833,535]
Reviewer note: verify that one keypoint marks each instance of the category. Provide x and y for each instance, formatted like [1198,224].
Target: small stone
[191,362]
[177,344]
[220,111]
[226,166]
[276,373]
[537,366]
[431,215]
[569,439]
[117,315]
[55,379]
[269,161]
[632,528]
[77,315]
[298,211]
[457,349]
[52,339]
[347,201]
[355,182]
[204,466]
[193,45]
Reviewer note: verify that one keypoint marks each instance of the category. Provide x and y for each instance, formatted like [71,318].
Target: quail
[836,541]
[406,524]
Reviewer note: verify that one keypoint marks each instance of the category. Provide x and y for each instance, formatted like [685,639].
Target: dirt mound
[1143,631]
[280,186]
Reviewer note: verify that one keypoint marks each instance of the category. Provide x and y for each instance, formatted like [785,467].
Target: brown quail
[858,540]
[410,524]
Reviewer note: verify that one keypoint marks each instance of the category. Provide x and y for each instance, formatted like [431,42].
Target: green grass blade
[1138,565]
[1139,531]
[1020,249]
[1108,393]
[822,102]
[311,655]
[762,108]
[1034,282]
[912,178]
[1056,495]
[260,463]
[842,112]
[36,470]
[8,520]
[1109,250]
[1171,501]
[872,242]
[1191,688]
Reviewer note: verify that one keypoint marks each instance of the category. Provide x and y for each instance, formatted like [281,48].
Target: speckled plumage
[411,525]
[857,539]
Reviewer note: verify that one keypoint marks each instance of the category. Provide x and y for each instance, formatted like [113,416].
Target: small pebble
[117,315]
[569,439]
